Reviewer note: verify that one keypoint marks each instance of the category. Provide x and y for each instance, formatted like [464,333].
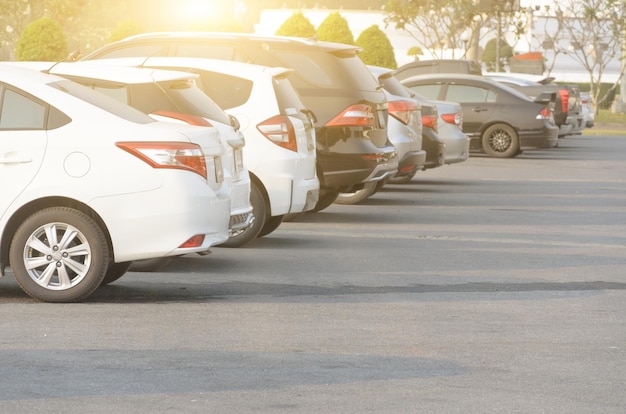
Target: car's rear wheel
[59,255]
[271,224]
[357,196]
[501,141]
[260,209]
[326,198]
[115,271]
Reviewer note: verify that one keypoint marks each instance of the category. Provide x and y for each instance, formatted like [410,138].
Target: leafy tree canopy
[42,40]
[335,28]
[297,25]
[377,49]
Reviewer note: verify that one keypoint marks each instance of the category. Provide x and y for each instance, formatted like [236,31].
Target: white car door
[22,143]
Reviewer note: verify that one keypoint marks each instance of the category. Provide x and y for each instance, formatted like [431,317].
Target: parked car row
[195,140]
[567,110]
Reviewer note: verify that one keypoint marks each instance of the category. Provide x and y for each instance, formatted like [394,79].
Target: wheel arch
[39,204]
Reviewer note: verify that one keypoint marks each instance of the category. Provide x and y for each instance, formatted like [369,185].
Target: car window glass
[287,96]
[394,86]
[20,112]
[469,93]
[226,90]
[190,99]
[102,101]
[135,51]
[119,94]
[428,91]
[209,51]
[310,68]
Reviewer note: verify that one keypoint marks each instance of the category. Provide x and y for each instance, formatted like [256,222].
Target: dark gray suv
[349,109]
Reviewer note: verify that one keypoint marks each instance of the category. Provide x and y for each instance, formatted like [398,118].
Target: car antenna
[70,58]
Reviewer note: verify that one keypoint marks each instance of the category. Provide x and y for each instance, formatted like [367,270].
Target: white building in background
[565,69]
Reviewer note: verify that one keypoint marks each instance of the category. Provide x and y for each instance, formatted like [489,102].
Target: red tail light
[564,99]
[280,131]
[545,113]
[177,155]
[355,115]
[455,119]
[430,121]
[190,119]
[401,110]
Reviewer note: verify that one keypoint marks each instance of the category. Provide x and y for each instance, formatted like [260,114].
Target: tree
[438,25]
[335,28]
[376,48]
[591,32]
[296,25]
[415,51]
[489,54]
[42,40]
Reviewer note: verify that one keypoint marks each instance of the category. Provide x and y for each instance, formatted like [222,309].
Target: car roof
[288,41]
[240,69]
[84,71]
[467,77]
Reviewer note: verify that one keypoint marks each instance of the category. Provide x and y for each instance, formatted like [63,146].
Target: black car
[349,109]
[499,120]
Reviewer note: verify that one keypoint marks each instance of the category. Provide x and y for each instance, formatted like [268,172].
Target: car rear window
[394,86]
[226,90]
[142,50]
[343,70]
[214,51]
[287,97]
[102,101]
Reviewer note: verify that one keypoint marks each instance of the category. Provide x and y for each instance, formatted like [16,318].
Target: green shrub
[377,49]
[42,40]
[296,25]
[334,28]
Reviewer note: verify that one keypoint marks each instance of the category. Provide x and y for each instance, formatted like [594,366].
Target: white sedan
[90,184]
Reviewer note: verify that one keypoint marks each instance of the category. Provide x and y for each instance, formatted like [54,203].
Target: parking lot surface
[490,286]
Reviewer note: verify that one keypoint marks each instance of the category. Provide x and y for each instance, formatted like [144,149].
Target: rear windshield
[102,101]
[226,90]
[317,68]
[394,86]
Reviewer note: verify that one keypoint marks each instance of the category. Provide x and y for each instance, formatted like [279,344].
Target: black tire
[150,265]
[115,271]
[357,196]
[58,270]
[500,141]
[260,209]
[271,225]
[326,198]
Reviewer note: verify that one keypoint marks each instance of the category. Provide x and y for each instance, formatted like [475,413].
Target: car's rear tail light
[545,113]
[190,119]
[354,115]
[280,131]
[455,119]
[429,121]
[195,241]
[564,100]
[402,110]
[178,155]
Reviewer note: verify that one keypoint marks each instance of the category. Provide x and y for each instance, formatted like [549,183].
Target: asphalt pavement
[490,286]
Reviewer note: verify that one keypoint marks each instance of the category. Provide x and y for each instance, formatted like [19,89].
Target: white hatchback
[280,149]
[90,184]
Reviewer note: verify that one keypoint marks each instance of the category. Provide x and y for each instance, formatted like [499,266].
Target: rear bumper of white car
[156,223]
